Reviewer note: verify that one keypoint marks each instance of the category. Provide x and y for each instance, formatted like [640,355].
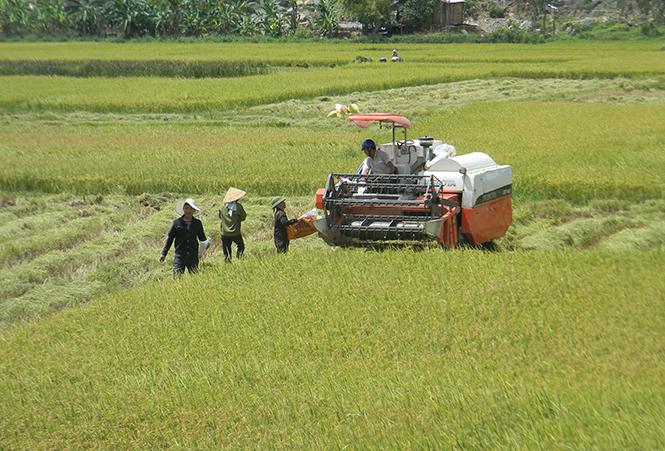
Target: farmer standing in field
[187,231]
[281,222]
[231,215]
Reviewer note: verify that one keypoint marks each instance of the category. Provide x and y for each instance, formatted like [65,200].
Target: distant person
[281,222]
[395,56]
[187,231]
[377,161]
[232,215]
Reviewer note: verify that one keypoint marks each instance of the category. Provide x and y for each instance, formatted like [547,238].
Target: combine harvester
[434,194]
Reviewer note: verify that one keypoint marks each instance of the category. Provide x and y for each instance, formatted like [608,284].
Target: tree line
[177,18]
[275,18]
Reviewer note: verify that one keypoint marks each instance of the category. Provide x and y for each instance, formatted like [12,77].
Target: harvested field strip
[47,277]
[58,233]
[115,246]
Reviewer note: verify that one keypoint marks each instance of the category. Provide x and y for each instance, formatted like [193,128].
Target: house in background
[448,13]
[451,12]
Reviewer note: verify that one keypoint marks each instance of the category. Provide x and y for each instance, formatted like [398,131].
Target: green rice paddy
[551,340]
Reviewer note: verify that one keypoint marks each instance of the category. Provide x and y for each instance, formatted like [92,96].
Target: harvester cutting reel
[381,207]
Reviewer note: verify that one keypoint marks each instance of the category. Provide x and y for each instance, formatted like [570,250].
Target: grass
[552,340]
[544,353]
[324,53]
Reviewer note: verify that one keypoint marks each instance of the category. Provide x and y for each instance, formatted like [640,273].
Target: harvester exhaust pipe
[427,142]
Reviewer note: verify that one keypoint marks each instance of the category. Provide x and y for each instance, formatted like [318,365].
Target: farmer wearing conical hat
[281,222]
[186,231]
[232,214]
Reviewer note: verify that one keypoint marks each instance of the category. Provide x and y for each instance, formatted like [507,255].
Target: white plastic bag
[203,245]
[445,151]
[441,152]
[313,213]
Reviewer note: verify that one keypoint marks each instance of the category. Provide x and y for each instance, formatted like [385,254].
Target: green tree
[368,12]
[535,8]
[653,8]
[416,11]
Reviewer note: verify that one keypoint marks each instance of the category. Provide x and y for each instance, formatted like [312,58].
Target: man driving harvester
[378,161]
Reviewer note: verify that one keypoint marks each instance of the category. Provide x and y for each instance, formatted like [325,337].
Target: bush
[303,33]
[649,29]
[495,12]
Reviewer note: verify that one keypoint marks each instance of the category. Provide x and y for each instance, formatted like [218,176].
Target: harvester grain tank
[434,194]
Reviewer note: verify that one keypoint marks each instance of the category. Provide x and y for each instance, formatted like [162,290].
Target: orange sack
[301,228]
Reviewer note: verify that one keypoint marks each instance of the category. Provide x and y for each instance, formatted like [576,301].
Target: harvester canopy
[365,120]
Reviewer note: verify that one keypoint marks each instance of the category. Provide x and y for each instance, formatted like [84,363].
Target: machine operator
[377,160]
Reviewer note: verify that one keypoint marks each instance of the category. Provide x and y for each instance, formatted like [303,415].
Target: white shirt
[378,164]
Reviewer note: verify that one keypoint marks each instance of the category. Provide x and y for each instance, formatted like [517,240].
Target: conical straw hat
[233,194]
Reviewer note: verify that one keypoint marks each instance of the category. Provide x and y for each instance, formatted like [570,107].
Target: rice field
[329,72]
[586,156]
[552,340]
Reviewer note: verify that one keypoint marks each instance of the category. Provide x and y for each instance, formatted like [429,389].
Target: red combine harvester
[434,194]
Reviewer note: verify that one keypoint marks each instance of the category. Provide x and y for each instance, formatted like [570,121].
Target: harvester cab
[434,194]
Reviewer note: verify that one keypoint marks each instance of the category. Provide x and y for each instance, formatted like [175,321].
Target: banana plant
[223,18]
[246,27]
[243,7]
[14,15]
[293,14]
[195,18]
[272,20]
[160,13]
[129,15]
[84,14]
[327,20]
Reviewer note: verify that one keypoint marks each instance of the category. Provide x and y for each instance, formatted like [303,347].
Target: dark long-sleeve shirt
[186,243]
[281,223]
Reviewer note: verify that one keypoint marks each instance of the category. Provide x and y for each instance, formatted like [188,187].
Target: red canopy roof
[364,120]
